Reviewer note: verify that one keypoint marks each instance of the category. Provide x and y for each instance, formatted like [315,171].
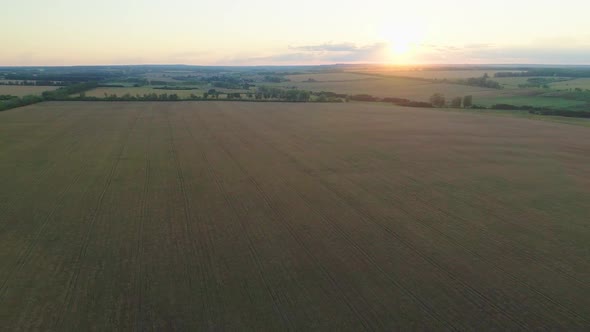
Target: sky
[302,32]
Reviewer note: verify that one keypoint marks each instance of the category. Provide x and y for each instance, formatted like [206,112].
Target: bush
[64,93]
[438,100]
[395,100]
[415,104]
[18,102]
[456,102]
[364,97]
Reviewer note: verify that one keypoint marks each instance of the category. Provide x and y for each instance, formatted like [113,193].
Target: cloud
[327,47]
[478,46]
[453,48]
[286,58]
[320,53]
[546,54]
[187,56]
[477,53]
[492,54]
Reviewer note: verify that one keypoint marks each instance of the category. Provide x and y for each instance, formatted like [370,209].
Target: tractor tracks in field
[364,254]
[488,211]
[361,211]
[188,218]
[465,221]
[473,253]
[524,253]
[77,265]
[367,217]
[55,136]
[281,216]
[251,247]
[482,206]
[140,227]
[35,182]
[284,221]
[24,254]
[457,243]
[491,263]
[278,216]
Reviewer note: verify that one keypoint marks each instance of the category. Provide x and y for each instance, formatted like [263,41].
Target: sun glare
[402,38]
[398,48]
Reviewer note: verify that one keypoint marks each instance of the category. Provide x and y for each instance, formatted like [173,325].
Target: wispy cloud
[321,53]
[327,47]
[477,53]
[478,46]
[454,48]
[549,53]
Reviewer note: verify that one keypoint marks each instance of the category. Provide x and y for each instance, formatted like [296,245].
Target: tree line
[482,81]
[292,95]
[8,102]
[34,83]
[439,100]
[264,93]
[63,93]
[547,72]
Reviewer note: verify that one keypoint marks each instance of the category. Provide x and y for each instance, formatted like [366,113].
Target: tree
[456,102]
[467,101]
[438,100]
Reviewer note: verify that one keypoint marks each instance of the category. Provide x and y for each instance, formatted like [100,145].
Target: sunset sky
[274,32]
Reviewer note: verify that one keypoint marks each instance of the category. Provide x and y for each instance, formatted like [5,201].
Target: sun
[402,39]
[399,48]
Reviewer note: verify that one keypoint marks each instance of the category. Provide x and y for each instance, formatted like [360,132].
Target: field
[269,216]
[511,82]
[581,83]
[427,73]
[393,82]
[330,77]
[389,87]
[133,91]
[164,77]
[536,101]
[99,92]
[20,90]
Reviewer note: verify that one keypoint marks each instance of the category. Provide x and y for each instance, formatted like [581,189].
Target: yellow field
[394,87]
[428,74]
[582,83]
[329,77]
[20,90]
[511,82]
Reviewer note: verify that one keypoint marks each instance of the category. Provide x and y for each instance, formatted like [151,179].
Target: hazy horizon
[244,33]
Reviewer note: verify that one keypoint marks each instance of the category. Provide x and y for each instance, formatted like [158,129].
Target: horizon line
[298,65]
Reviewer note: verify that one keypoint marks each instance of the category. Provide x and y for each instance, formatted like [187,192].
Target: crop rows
[245,216]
